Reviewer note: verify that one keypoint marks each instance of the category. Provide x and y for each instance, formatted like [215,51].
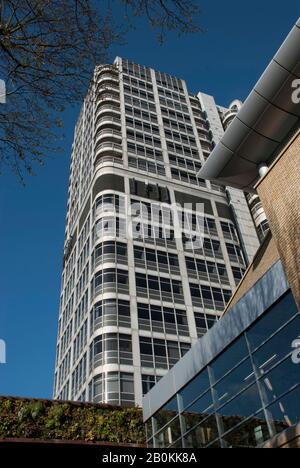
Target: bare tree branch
[48,50]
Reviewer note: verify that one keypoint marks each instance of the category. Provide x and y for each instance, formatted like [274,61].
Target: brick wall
[279,192]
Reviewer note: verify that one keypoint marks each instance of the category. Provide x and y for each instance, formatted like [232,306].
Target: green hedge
[46,419]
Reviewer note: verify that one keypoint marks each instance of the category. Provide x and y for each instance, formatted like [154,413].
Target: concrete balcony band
[110,132]
[108,76]
[107,90]
[108,160]
[109,135]
[109,120]
[108,98]
[114,96]
[108,127]
[108,149]
[112,87]
[107,69]
[110,123]
[109,110]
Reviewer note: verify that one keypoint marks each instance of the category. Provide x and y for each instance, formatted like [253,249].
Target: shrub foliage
[48,420]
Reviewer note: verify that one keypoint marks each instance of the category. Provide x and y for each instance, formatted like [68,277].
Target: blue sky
[226,61]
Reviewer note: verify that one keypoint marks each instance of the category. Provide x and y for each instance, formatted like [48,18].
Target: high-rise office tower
[138,285]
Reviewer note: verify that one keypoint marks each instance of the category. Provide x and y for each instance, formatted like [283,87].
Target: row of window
[111,280]
[148,382]
[140,125]
[110,251]
[139,103]
[156,260]
[143,138]
[140,93]
[109,203]
[165,289]
[161,354]
[151,191]
[187,177]
[180,137]
[206,270]
[66,314]
[183,150]
[137,83]
[170,104]
[166,93]
[158,236]
[188,164]
[143,115]
[81,310]
[109,313]
[178,126]
[66,339]
[116,388]
[136,70]
[209,297]
[110,226]
[80,341]
[204,322]
[176,115]
[144,151]
[152,212]
[199,223]
[146,166]
[64,369]
[83,256]
[79,376]
[82,282]
[111,348]
[207,247]
[162,319]
[167,81]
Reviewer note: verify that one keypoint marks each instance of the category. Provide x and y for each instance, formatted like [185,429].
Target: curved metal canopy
[262,125]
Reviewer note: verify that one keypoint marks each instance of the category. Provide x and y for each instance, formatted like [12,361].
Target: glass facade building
[245,395]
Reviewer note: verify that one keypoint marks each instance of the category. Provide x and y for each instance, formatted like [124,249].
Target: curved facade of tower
[138,289]
[231,113]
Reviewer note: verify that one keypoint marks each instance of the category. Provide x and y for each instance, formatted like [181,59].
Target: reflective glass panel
[277,348]
[234,382]
[285,412]
[278,315]
[194,389]
[279,380]
[240,408]
[229,359]
[166,414]
[197,412]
